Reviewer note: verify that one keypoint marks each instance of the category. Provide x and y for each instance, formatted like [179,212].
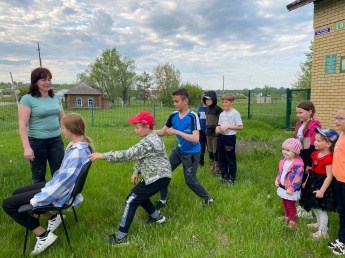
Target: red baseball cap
[143,117]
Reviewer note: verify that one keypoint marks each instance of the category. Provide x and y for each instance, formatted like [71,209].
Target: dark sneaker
[159,205]
[339,250]
[116,241]
[335,244]
[208,202]
[222,181]
[43,242]
[232,183]
[160,219]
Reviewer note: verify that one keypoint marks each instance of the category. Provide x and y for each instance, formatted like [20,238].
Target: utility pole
[223,84]
[39,53]
[14,89]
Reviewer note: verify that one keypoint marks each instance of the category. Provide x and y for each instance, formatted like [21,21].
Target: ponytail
[89,142]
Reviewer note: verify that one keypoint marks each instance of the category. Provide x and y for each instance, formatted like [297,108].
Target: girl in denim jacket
[289,179]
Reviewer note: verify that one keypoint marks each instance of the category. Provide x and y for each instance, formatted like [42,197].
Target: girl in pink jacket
[289,179]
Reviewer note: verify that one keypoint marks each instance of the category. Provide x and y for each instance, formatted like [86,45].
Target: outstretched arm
[189,137]
[162,131]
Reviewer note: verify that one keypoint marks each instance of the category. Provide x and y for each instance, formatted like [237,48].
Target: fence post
[154,109]
[92,114]
[248,104]
[288,108]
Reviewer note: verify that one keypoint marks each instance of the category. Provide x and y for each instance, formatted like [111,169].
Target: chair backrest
[79,183]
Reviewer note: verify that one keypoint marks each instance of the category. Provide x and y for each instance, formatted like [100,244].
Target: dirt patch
[243,145]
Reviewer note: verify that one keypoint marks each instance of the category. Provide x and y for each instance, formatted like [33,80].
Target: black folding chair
[78,187]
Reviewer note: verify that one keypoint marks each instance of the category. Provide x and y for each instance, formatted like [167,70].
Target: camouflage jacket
[150,152]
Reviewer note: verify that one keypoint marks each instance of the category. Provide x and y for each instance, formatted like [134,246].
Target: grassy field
[241,223]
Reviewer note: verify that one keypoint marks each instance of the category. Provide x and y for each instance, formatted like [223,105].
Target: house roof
[298,3]
[83,89]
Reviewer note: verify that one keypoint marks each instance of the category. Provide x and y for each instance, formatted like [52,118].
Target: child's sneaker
[43,242]
[283,218]
[222,181]
[159,205]
[335,244]
[232,183]
[55,223]
[208,202]
[116,241]
[160,219]
[339,250]
[319,234]
[292,225]
[313,225]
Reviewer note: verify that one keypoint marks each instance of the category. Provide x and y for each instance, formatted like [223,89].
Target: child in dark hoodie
[212,117]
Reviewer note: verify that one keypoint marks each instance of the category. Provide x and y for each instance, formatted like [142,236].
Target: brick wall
[328,90]
[71,101]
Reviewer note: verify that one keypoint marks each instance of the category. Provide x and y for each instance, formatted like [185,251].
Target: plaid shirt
[58,190]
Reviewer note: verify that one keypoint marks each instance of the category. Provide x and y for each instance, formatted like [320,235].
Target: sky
[252,43]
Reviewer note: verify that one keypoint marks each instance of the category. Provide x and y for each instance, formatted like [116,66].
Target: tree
[195,92]
[266,90]
[82,77]
[304,75]
[113,75]
[144,83]
[167,79]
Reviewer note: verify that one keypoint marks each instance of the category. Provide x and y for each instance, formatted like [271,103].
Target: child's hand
[134,179]
[218,129]
[223,130]
[307,170]
[276,183]
[95,156]
[288,191]
[303,185]
[319,194]
[170,131]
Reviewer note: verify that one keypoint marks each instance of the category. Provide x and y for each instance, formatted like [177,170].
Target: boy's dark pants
[140,195]
[340,200]
[190,167]
[212,147]
[51,149]
[202,140]
[227,156]
[22,196]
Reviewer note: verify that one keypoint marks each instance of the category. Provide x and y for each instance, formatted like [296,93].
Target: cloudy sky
[252,43]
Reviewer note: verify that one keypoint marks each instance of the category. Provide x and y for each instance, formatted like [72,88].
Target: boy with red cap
[154,166]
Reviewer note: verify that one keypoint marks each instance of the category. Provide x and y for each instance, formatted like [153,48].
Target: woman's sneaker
[335,244]
[43,242]
[55,222]
[339,250]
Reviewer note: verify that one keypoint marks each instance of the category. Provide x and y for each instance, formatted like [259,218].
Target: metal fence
[274,112]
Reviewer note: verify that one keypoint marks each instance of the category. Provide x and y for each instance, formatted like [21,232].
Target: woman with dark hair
[39,113]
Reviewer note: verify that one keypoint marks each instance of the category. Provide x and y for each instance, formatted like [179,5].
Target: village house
[84,96]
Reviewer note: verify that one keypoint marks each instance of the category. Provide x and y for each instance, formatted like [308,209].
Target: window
[89,102]
[79,102]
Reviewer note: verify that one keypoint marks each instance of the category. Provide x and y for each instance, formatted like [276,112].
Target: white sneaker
[55,223]
[43,242]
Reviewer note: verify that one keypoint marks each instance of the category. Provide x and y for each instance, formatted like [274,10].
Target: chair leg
[75,215]
[64,226]
[27,232]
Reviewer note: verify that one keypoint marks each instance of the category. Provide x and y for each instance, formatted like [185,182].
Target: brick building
[83,96]
[328,70]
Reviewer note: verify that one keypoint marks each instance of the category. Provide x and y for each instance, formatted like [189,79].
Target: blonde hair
[75,123]
[326,139]
[228,96]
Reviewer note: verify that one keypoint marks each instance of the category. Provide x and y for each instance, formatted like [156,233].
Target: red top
[319,164]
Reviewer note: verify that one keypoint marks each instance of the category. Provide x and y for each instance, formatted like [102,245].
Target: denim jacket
[293,178]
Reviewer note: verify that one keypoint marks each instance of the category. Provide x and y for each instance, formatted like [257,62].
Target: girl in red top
[319,192]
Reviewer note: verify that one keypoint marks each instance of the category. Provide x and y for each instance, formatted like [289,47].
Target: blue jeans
[51,150]
[340,200]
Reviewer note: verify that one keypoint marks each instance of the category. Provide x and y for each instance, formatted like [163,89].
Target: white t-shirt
[286,166]
[300,134]
[231,118]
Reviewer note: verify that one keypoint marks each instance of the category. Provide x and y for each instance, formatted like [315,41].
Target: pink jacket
[293,178]
[309,137]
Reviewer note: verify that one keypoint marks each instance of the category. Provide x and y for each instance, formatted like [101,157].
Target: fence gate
[293,97]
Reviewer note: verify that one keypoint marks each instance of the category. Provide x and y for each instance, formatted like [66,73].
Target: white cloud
[251,43]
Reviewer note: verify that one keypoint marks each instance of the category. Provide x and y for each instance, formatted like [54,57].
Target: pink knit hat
[293,145]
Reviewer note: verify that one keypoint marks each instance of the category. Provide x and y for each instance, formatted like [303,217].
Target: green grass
[242,222]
